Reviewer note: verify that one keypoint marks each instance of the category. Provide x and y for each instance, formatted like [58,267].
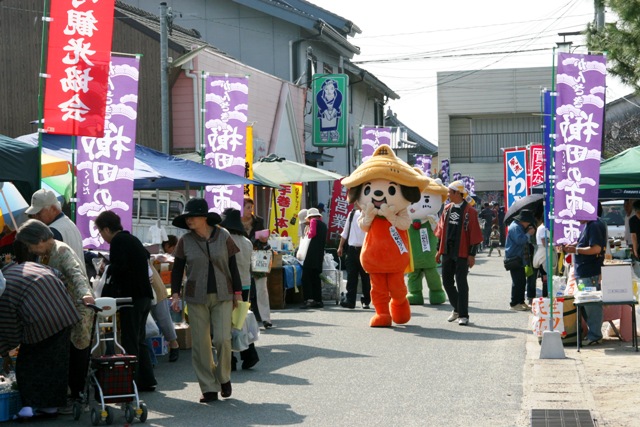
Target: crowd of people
[48,281]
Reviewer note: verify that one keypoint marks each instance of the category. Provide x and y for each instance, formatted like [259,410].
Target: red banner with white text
[535,172]
[78,56]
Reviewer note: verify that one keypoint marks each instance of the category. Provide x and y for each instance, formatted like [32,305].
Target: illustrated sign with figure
[330,110]
[78,55]
[226,108]
[105,166]
[579,127]
[515,175]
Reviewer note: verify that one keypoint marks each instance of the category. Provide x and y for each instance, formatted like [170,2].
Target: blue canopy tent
[152,169]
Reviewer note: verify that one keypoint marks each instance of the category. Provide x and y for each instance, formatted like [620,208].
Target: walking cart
[110,375]
[331,277]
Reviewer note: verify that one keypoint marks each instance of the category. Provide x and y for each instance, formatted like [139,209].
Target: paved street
[329,368]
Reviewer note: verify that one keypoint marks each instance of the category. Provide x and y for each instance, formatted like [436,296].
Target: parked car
[613,215]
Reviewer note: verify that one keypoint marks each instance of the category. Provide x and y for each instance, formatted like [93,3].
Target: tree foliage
[620,40]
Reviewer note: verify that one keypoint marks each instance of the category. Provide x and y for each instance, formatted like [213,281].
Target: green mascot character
[424,244]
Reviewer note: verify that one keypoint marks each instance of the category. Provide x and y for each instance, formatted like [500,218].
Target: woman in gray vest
[212,288]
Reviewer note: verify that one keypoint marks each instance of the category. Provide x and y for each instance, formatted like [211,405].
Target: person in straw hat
[460,237]
[384,186]
[316,232]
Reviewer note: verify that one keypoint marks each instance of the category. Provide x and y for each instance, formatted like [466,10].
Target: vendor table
[631,304]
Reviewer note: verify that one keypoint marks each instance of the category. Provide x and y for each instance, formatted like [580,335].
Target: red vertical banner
[78,56]
[339,210]
[535,166]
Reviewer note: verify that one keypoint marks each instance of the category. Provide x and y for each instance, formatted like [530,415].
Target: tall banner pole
[43,64]
[550,217]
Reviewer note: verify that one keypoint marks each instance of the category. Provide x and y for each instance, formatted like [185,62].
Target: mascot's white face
[429,204]
[382,191]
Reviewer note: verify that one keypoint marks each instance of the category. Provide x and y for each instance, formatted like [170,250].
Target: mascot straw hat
[384,164]
[434,186]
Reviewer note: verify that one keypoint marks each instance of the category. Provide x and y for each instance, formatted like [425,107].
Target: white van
[151,208]
[613,215]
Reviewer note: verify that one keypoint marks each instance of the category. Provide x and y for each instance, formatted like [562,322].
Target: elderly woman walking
[212,289]
[38,238]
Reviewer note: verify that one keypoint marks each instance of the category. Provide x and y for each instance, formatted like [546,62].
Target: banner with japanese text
[444,171]
[284,212]
[330,110]
[457,176]
[423,162]
[371,137]
[78,55]
[535,166]
[515,175]
[248,165]
[105,166]
[226,107]
[580,103]
[340,208]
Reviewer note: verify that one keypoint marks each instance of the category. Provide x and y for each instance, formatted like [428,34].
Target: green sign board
[330,110]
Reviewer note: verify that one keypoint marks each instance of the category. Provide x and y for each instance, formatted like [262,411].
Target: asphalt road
[327,367]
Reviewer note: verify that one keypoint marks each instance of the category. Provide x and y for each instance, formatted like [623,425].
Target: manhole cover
[561,418]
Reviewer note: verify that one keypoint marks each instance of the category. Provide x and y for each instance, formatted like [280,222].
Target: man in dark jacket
[129,274]
[312,264]
[460,235]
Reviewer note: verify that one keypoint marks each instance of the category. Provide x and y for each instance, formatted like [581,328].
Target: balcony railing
[487,147]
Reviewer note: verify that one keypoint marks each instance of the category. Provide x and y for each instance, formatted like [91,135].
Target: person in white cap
[45,207]
[460,236]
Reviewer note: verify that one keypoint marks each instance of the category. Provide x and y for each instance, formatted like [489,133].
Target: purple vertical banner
[444,171]
[372,137]
[580,102]
[456,176]
[226,107]
[472,185]
[105,166]
[423,162]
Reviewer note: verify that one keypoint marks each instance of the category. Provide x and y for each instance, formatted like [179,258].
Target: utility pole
[164,76]
[599,18]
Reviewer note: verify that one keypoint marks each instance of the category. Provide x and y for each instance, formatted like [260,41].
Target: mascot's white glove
[369,212]
[433,221]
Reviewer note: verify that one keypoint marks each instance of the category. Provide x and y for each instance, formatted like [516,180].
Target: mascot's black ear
[354,194]
[411,194]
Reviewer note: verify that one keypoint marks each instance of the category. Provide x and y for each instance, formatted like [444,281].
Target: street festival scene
[211,215]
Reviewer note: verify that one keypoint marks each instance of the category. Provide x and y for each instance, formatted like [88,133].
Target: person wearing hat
[232,223]
[45,207]
[213,287]
[128,277]
[312,264]
[460,237]
[517,245]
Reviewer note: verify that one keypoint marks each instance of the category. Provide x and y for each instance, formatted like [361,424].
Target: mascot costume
[384,186]
[424,244]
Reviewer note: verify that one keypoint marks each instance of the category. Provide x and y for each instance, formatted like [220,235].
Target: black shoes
[312,304]
[174,354]
[267,325]
[347,304]
[208,396]
[226,389]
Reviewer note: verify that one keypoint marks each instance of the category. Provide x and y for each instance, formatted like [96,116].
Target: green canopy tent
[19,164]
[620,175]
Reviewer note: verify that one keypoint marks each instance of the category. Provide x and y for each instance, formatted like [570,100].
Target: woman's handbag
[261,261]
[540,257]
[303,248]
[513,263]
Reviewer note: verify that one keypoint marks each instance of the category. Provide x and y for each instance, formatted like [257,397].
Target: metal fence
[487,147]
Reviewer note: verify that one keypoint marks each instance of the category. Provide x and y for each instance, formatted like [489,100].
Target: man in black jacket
[129,274]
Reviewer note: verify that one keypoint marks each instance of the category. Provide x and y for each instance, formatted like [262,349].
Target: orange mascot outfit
[384,186]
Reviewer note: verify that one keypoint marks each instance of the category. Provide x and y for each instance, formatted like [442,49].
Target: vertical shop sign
[78,55]
[535,173]
[515,175]
[226,107]
[339,211]
[330,110]
[105,168]
[284,215]
[581,84]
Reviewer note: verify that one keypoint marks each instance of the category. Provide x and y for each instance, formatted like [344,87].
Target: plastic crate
[9,405]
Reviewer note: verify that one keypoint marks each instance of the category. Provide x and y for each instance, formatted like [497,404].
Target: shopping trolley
[110,375]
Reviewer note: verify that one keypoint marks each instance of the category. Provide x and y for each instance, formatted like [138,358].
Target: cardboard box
[166,277]
[617,283]
[275,287]
[184,335]
[277,260]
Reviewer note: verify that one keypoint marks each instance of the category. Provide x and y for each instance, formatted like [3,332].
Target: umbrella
[277,170]
[13,205]
[533,202]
